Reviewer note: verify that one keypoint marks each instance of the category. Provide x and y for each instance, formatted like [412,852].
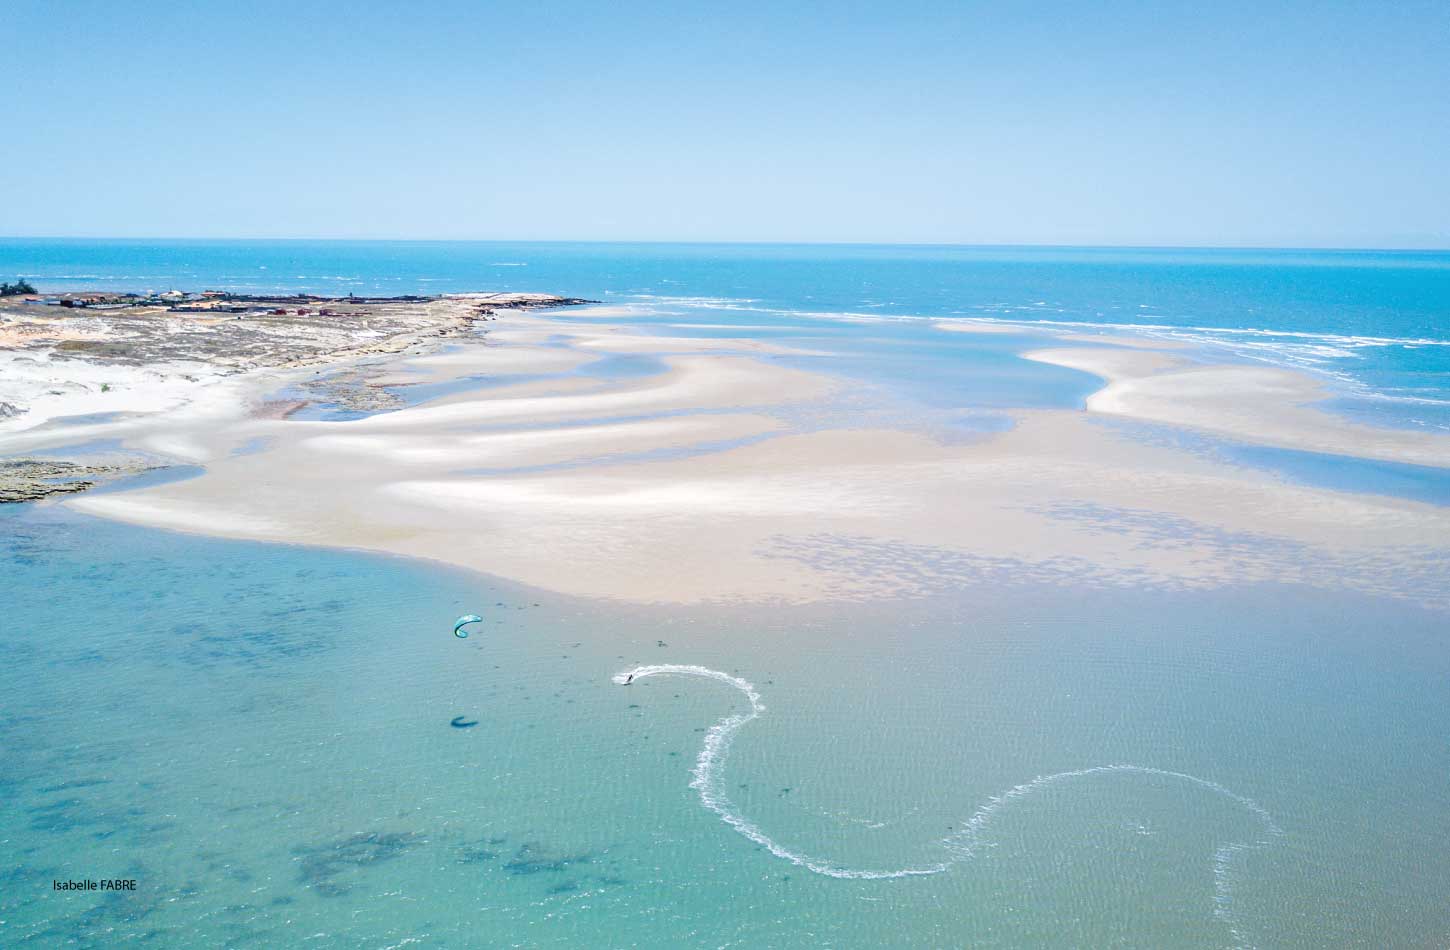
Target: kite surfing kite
[464,621]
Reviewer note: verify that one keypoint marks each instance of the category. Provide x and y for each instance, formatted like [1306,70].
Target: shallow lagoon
[260,735]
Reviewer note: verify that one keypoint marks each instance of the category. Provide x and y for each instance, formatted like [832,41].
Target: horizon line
[748,243]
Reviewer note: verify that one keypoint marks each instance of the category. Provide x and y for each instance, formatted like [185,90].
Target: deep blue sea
[286,746]
[1376,323]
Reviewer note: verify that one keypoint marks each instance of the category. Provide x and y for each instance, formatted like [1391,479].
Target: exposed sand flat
[810,516]
[547,482]
[1109,362]
[693,484]
[978,326]
[198,517]
[533,447]
[1256,404]
[692,382]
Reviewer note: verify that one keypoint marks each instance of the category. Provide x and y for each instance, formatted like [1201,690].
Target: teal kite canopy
[462,622]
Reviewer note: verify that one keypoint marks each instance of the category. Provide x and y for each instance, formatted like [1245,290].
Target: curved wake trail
[712,756]
[961,845]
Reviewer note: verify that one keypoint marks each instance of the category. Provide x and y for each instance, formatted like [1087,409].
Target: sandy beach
[727,476]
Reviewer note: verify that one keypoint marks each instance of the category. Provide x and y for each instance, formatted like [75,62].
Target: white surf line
[963,844]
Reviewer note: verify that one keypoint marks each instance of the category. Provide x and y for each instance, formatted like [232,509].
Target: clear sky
[1263,123]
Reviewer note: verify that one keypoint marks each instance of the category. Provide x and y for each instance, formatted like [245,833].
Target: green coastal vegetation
[14,290]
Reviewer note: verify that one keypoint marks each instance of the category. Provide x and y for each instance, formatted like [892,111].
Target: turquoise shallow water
[260,735]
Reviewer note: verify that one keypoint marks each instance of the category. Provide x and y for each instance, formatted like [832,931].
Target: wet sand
[729,477]
[1258,404]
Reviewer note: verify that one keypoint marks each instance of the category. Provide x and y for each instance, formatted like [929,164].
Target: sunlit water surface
[261,736]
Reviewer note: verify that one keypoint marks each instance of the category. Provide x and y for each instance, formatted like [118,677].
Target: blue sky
[1263,123]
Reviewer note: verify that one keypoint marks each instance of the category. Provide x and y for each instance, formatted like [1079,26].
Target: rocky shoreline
[28,479]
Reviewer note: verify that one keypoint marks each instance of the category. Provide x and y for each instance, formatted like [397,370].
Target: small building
[86,299]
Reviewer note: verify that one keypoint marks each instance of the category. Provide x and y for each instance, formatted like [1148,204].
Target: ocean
[287,746]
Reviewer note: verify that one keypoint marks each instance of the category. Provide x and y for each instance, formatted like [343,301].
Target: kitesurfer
[464,621]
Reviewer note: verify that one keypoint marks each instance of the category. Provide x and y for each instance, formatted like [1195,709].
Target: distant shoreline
[219,299]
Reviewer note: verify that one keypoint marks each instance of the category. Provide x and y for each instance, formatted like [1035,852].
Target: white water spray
[960,845]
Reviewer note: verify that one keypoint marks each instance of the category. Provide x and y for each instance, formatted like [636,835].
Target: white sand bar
[699,484]
[1258,404]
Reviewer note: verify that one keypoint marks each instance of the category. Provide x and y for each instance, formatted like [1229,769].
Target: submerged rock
[531,858]
[320,866]
[26,479]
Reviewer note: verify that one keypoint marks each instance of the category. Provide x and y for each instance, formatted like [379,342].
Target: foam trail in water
[960,845]
[712,756]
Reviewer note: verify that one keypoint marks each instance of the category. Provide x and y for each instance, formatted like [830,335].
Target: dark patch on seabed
[248,647]
[79,783]
[76,815]
[533,858]
[480,851]
[333,869]
[321,865]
